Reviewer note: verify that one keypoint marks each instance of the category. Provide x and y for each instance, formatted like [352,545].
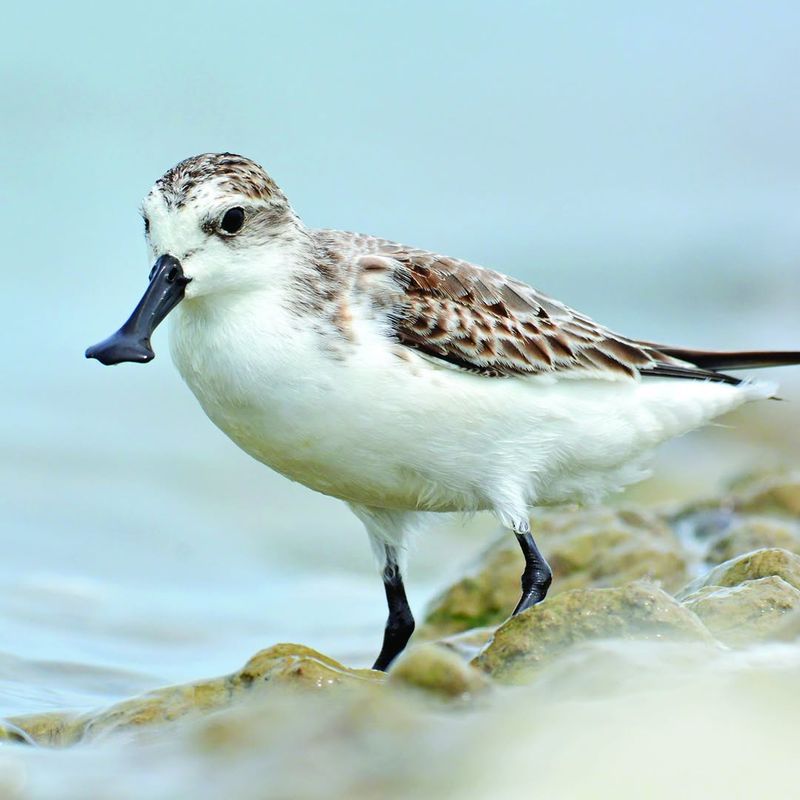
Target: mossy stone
[533,638]
[776,494]
[585,547]
[750,566]
[284,665]
[437,670]
[754,532]
[750,611]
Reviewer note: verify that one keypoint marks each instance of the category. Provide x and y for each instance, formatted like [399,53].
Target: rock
[284,665]
[484,597]
[601,547]
[741,614]
[750,566]
[437,670]
[54,728]
[585,547]
[765,494]
[775,494]
[747,533]
[299,665]
[789,629]
[722,719]
[636,611]
[468,643]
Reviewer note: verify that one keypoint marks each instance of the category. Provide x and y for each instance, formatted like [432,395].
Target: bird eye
[232,220]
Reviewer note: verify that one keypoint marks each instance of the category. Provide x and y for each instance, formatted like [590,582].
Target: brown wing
[485,322]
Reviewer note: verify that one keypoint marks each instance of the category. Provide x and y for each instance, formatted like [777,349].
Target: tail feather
[681,362]
[714,360]
[690,372]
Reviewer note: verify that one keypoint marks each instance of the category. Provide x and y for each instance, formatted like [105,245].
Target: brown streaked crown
[230,171]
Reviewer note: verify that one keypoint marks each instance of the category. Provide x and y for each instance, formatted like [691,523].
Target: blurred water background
[638,161]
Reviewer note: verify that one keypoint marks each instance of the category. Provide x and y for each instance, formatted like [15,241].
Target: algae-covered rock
[750,566]
[468,644]
[751,532]
[789,628]
[437,670]
[585,547]
[602,547]
[775,494]
[636,611]
[298,665]
[282,665]
[484,597]
[747,612]
[55,728]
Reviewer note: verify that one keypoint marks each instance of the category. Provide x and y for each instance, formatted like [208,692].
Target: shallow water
[618,719]
[640,166]
[142,549]
[135,539]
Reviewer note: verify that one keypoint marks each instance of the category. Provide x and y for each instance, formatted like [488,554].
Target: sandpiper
[401,381]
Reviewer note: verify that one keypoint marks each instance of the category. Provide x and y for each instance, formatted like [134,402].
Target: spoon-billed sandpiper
[401,381]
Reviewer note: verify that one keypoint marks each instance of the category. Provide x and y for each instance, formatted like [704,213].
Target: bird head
[214,223]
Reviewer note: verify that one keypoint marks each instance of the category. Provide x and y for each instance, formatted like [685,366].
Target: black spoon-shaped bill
[132,341]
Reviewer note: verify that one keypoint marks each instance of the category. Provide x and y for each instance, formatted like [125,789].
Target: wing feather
[483,321]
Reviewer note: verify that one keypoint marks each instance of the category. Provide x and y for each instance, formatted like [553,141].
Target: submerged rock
[775,494]
[585,547]
[748,533]
[483,597]
[636,611]
[561,738]
[747,612]
[789,628]
[435,669]
[282,665]
[468,644]
[753,595]
[750,566]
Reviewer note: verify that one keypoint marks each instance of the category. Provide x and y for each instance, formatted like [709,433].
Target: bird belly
[371,427]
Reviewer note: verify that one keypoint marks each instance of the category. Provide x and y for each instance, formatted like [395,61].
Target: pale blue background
[638,160]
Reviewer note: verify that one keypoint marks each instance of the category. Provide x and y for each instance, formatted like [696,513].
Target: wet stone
[585,547]
[750,566]
[533,638]
[748,533]
[747,612]
[281,666]
[55,728]
[468,644]
[789,629]
[776,494]
[437,670]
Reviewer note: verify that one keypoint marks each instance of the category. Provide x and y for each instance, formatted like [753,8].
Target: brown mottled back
[485,322]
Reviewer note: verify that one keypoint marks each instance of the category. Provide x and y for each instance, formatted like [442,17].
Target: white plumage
[405,434]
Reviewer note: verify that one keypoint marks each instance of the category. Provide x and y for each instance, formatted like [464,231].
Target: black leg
[537,575]
[400,624]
